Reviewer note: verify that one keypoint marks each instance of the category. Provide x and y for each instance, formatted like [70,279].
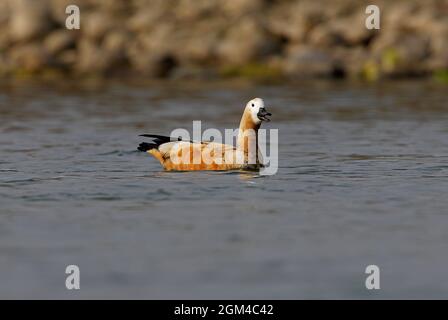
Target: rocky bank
[224,38]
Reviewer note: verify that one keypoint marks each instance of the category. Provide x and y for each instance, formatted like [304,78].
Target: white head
[257,110]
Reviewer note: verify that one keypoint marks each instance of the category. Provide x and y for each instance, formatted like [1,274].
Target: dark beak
[263,115]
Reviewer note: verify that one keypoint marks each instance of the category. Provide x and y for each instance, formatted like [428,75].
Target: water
[363,179]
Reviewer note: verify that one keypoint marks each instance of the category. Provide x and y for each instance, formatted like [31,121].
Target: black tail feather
[157,140]
[162,139]
[144,146]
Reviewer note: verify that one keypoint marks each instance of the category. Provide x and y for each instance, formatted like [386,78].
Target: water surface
[363,180]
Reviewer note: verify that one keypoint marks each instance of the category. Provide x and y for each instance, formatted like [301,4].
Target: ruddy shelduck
[176,154]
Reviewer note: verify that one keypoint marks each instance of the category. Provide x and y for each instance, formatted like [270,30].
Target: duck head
[257,111]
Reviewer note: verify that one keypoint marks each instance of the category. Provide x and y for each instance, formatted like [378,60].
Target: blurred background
[269,39]
[363,149]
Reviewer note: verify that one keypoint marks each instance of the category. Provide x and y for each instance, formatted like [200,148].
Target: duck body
[175,154]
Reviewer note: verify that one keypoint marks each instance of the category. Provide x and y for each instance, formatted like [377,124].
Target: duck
[177,154]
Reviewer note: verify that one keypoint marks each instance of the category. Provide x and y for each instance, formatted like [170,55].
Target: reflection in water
[248,177]
[362,177]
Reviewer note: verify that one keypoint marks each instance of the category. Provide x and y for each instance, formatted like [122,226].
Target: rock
[294,21]
[323,36]
[59,40]
[147,58]
[351,60]
[160,39]
[237,8]
[187,72]
[116,41]
[96,24]
[4,12]
[114,6]
[144,20]
[197,46]
[397,15]
[5,66]
[196,50]
[351,31]
[156,65]
[91,58]
[29,19]
[30,57]
[68,58]
[402,52]
[114,46]
[4,41]
[304,61]
[193,10]
[246,41]
[439,47]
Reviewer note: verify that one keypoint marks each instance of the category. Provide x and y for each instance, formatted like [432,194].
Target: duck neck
[248,135]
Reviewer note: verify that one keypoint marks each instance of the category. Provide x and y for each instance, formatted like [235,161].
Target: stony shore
[221,38]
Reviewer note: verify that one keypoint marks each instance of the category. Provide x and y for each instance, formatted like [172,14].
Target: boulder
[324,36]
[29,19]
[96,24]
[246,41]
[59,40]
[402,52]
[30,57]
[439,47]
[91,59]
[351,60]
[68,58]
[115,46]
[294,21]
[237,8]
[4,13]
[5,41]
[151,60]
[351,31]
[144,20]
[155,65]
[304,61]
[191,11]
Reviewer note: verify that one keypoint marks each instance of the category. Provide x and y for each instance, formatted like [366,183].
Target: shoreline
[253,39]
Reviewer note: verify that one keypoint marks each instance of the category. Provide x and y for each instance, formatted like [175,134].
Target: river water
[362,179]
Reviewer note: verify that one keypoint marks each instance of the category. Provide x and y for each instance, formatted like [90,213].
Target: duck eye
[253,105]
